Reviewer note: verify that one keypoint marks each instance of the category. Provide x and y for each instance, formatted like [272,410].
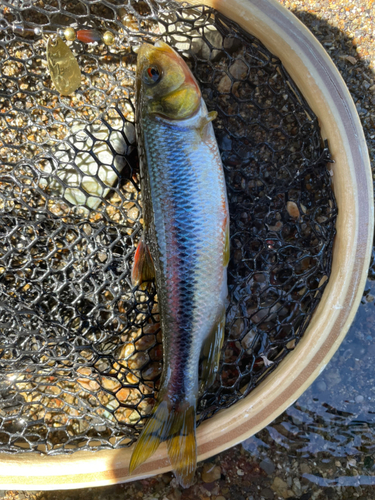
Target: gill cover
[165,84]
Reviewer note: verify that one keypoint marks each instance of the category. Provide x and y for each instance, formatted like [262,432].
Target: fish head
[165,85]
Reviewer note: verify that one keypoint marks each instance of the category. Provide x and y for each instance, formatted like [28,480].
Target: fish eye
[152,75]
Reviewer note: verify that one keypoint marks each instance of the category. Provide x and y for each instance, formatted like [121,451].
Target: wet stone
[268,466]
[321,386]
[231,44]
[351,59]
[333,378]
[267,493]
[248,339]
[238,69]
[211,472]
[224,84]
[305,469]
[203,49]
[297,486]
[280,487]
[292,209]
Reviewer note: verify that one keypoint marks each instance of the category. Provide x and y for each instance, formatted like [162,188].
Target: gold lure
[63,67]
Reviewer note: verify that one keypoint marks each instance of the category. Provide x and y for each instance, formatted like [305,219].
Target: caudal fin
[182,446]
[176,425]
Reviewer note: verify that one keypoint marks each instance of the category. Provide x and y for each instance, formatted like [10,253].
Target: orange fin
[176,425]
[143,267]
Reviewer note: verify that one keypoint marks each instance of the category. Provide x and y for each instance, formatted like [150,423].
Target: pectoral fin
[212,115]
[143,266]
[205,120]
[211,351]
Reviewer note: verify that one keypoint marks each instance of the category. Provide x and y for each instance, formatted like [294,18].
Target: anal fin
[143,266]
[210,355]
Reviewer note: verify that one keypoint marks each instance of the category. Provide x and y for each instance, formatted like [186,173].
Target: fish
[184,247]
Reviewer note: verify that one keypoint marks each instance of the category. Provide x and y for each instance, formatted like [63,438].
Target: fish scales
[187,188]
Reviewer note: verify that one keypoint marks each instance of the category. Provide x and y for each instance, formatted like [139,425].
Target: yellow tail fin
[176,425]
[182,446]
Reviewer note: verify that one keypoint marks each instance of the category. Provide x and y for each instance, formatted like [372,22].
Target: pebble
[224,84]
[359,399]
[231,44]
[280,487]
[202,49]
[102,256]
[297,486]
[248,339]
[174,495]
[352,462]
[211,472]
[267,493]
[238,69]
[240,472]
[321,386]
[351,59]
[292,209]
[333,378]
[277,227]
[305,469]
[268,466]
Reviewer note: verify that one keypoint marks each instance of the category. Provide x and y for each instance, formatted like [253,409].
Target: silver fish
[185,245]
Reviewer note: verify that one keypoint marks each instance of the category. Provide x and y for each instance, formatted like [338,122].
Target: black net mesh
[80,349]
